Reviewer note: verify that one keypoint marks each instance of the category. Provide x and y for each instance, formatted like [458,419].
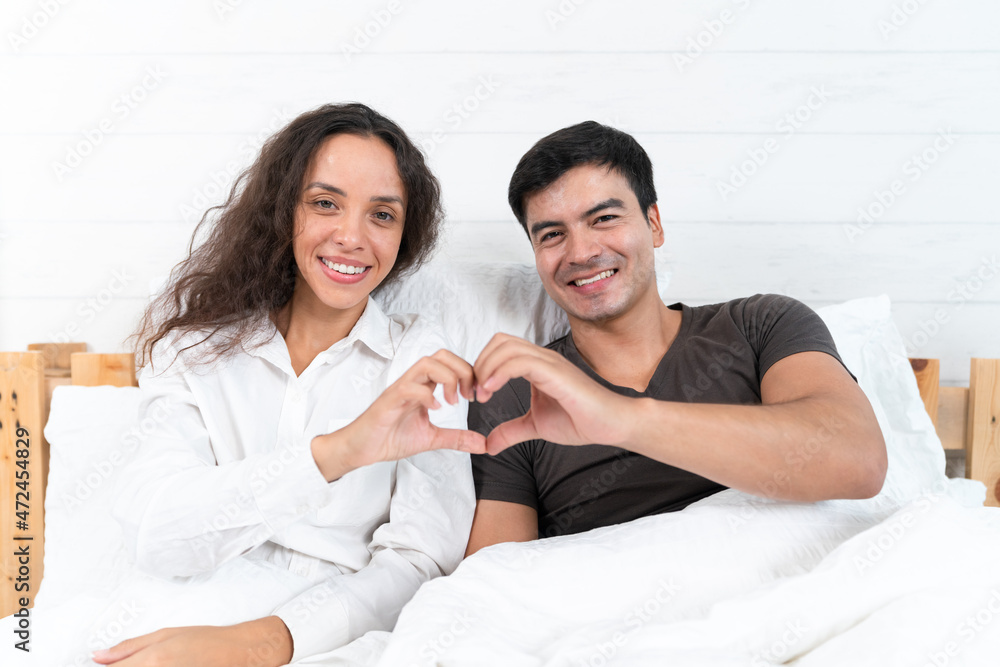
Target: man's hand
[265,642]
[567,406]
[397,425]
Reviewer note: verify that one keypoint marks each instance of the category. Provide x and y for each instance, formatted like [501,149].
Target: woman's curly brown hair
[245,269]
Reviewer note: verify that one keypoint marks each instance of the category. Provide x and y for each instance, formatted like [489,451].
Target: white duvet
[732,581]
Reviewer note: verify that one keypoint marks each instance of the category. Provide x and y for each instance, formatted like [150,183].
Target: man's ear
[653,216]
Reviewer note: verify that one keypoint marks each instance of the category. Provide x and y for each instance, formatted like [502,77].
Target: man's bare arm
[814,437]
[498,521]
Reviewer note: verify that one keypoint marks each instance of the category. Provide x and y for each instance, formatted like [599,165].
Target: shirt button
[296,395]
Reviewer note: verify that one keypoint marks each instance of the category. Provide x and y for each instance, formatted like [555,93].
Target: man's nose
[582,247]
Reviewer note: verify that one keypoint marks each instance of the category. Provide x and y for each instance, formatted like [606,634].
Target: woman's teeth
[345,268]
[599,276]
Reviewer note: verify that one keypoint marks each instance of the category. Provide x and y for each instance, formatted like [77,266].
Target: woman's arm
[431,510]
[431,514]
[181,512]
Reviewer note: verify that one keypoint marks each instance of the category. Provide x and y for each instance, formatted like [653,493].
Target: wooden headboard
[965,419]
[27,380]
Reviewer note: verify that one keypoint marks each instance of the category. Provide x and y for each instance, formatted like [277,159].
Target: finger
[124,649]
[510,433]
[498,341]
[432,372]
[507,363]
[496,354]
[150,655]
[420,394]
[462,369]
[459,439]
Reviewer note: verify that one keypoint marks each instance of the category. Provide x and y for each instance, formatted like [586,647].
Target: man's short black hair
[585,143]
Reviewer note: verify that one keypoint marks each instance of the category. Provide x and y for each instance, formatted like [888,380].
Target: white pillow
[873,349]
[92,432]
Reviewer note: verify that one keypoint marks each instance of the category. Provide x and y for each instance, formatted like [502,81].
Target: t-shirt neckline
[573,354]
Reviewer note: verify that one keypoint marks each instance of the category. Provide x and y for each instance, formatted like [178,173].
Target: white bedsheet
[732,581]
[66,633]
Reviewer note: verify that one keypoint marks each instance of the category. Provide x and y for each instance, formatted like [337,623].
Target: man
[645,408]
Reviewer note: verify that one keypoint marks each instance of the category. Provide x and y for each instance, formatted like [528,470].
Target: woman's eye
[325,203]
[384,216]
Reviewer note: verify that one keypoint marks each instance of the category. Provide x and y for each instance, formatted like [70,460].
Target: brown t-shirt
[719,355]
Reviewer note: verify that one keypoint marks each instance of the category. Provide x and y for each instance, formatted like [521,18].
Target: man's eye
[550,235]
[605,218]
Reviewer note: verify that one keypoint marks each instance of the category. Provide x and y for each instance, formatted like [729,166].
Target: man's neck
[626,351]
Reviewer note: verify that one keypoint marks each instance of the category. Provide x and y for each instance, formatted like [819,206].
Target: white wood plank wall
[829,105]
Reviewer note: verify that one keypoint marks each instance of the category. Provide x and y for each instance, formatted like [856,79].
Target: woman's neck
[310,327]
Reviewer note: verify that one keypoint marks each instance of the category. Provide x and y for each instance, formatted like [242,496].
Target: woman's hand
[396,425]
[265,642]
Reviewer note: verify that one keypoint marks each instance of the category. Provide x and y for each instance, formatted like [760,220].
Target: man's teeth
[344,268]
[599,276]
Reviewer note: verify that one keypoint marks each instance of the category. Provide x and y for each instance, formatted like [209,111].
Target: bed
[734,579]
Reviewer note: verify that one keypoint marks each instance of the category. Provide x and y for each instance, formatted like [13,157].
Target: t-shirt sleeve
[508,476]
[779,326]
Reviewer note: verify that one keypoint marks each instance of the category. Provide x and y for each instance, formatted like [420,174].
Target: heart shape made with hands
[567,407]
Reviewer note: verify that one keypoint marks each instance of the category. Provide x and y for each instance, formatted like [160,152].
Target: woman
[295,413]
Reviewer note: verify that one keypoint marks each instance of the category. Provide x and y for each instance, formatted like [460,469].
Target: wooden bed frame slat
[22,404]
[57,355]
[92,370]
[982,451]
[953,411]
[928,372]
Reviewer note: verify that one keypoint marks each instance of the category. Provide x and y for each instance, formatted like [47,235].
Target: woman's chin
[345,302]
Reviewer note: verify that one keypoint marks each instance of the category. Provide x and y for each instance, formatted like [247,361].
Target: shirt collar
[373,329]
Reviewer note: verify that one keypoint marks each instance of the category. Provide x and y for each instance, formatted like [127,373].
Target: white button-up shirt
[226,471]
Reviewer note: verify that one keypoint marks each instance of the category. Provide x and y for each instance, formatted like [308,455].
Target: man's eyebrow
[607,203]
[611,202]
[540,226]
[327,187]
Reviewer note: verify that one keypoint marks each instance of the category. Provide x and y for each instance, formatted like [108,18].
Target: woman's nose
[348,231]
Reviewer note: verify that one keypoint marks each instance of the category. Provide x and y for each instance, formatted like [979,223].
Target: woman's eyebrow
[385,199]
[327,187]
